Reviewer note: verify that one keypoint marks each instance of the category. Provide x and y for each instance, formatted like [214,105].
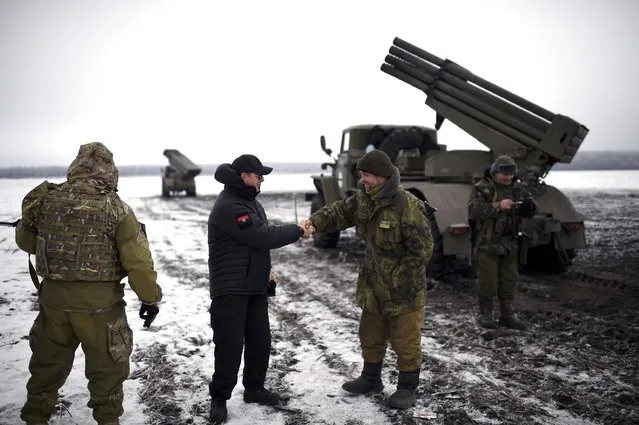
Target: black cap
[250,164]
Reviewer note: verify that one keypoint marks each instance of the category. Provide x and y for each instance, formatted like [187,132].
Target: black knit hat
[250,164]
[376,162]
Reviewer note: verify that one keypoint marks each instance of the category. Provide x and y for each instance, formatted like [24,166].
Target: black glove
[270,289]
[148,312]
[526,209]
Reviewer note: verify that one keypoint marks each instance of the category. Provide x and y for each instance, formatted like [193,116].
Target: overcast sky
[218,79]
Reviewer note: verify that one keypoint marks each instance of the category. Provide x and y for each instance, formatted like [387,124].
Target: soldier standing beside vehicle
[240,240]
[497,204]
[86,240]
[391,281]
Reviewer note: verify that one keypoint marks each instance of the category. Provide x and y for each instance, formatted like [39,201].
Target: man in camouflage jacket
[390,284]
[85,240]
[496,207]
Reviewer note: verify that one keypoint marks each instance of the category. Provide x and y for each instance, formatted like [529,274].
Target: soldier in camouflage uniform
[85,240]
[390,284]
[495,209]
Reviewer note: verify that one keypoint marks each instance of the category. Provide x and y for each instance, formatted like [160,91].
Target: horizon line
[4,167]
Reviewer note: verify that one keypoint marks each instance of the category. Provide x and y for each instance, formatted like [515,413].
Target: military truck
[179,176]
[506,123]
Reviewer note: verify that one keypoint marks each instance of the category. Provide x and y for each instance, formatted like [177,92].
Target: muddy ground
[577,364]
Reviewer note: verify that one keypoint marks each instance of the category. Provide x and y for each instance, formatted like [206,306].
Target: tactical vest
[506,224]
[76,236]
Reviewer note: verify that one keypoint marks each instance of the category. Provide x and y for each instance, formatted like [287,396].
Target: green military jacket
[399,245]
[93,171]
[495,231]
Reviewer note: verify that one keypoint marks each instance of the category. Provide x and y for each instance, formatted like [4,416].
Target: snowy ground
[577,364]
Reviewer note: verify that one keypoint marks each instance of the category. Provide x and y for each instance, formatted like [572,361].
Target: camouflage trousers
[497,275]
[107,343]
[404,333]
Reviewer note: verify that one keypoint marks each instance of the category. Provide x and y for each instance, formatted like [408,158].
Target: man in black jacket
[240,240]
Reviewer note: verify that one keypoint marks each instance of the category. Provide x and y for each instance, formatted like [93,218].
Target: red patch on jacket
[243,221]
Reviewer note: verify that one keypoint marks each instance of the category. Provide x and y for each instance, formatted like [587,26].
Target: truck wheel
[547,259]
[322,240]
[190,192]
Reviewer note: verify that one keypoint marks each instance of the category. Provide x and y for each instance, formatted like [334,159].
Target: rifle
[10,223]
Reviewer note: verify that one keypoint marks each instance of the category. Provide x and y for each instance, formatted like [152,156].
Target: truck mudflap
[557,222]
[551,245]
[546,230]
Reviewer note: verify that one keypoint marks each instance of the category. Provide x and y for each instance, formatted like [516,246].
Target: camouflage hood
[94,164]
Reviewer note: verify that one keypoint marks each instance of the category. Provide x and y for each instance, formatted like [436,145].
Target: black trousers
[239,322]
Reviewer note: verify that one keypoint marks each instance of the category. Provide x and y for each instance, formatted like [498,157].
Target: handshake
[307,226]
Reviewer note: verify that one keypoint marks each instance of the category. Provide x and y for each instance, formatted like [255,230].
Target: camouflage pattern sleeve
[339,215]
[135,256]
[418,239]
[480,205]
[26,230]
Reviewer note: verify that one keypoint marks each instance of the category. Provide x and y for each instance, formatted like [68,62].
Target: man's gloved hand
[148,312]
[272,284]
[526,209]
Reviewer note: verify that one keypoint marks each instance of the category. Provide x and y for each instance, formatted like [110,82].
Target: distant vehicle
[503,121]
[179,176]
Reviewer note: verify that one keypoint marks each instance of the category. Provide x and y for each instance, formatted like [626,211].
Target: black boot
[261,395]
[369,381]
[508,318]
[404,397]
[485,318]
[218,412]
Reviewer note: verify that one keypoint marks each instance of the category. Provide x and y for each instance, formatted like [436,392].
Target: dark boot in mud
[218,413]
[508,318]
[404,397]
[485,318]
[370,381]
